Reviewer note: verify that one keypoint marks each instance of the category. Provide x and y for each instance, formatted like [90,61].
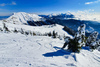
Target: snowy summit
[22,18]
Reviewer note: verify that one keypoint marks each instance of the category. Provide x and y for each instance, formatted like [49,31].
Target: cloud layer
[92,2]
[4,4]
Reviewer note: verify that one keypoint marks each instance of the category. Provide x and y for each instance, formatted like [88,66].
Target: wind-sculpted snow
[17,50]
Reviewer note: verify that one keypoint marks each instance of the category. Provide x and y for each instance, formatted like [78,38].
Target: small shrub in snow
[49,34]
[21,31]
[15,30]
[5,28]
[34,33]
[26,33]
[30,33]
[1,29]
[54,34]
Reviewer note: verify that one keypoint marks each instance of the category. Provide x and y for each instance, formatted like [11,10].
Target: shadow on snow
[60,52]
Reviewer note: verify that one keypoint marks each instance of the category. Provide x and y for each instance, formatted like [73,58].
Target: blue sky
[47,6]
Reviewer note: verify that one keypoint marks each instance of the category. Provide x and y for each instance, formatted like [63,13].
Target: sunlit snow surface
[17,50]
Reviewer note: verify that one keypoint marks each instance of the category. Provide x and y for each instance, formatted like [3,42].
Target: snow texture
[17,50]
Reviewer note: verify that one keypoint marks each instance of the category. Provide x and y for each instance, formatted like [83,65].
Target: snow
[38,29]
[17,50]
[22,18]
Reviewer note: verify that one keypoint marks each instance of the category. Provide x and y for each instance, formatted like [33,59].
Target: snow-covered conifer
[5,29]
[21,31]
[15,30]
[78,40]
[80,35]
[95,44]
[92,39]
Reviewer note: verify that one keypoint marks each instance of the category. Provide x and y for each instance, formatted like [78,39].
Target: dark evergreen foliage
[5,28]
[54,34]
[22,32]
[15,31]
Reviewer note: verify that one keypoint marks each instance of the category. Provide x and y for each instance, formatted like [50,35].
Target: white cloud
[87,15]
[88,2]
[13,3]
[4,4]
[92,2]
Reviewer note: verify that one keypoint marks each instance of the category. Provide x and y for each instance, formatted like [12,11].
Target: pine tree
[15,31]
[80,35]
[5,28]
[91,39]
[30,33]
[55,34]
[26,33]
[74,46]
[22,32]
[95,45]
[76,43]
[49,34]
[34,33]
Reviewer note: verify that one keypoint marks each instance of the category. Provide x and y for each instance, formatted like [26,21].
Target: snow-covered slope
[38,29]
[22,18]
[17,50]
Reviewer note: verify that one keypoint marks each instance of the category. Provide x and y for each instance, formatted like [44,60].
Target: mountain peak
[22,18]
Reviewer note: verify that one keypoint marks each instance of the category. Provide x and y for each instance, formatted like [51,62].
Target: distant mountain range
[65,19]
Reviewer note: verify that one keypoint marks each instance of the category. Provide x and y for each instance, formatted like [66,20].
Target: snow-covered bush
[54,34]
[49,34]
[1,29]
[15,30]
[5,29]
[80,35]
[91,40]
[34,33]
[26,33]
[80,39]
[21,31]
[30,33]
[76,43]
